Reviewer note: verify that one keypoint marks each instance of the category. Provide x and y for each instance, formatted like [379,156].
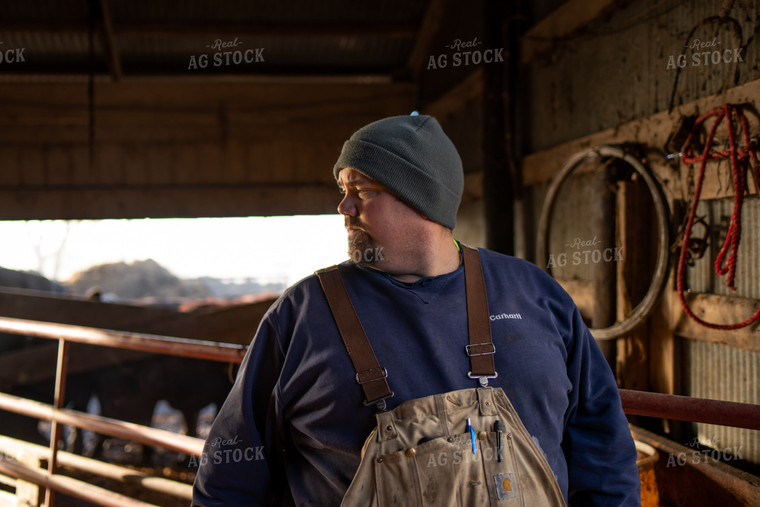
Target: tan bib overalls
[466,447]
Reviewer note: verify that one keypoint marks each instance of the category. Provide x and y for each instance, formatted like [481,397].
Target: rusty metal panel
[619,67]
[725,373]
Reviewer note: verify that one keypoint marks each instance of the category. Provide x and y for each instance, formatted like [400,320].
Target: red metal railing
[642,403]
[686,408]
[66,333]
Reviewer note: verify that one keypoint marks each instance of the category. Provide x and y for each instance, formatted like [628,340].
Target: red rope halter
[741,160]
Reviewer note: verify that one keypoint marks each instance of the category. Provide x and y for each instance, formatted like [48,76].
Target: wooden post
[605,284]
[637,240]
[498,191]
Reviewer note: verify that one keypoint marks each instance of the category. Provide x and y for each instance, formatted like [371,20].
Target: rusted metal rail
[66,333]
[112,427]
[184,347]
[69,486]
[657,405]
[15,449]
[686,408]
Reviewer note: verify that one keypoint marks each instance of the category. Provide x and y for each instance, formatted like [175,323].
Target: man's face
[380,227]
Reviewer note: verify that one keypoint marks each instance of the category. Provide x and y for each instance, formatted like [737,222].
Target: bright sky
[272,249]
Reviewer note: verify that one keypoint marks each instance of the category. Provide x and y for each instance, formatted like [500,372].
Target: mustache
[353,222]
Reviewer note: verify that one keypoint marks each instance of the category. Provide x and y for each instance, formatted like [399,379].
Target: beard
[362,247]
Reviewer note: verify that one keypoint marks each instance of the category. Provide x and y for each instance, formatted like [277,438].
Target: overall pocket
[445,472]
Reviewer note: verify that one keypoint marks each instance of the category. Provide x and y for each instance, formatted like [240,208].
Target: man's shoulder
[493,259]
[303,291]
[514,270]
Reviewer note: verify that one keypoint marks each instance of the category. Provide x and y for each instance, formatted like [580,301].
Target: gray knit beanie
[413,158]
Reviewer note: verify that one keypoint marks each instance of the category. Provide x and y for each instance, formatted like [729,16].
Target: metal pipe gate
[55,413]
[684,408]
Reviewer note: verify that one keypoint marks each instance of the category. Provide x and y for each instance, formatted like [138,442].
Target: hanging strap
[480,349]
[369,374]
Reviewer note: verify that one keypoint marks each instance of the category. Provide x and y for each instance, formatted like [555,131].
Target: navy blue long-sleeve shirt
[292,428]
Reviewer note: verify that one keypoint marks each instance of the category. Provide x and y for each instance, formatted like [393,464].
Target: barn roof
[199,108]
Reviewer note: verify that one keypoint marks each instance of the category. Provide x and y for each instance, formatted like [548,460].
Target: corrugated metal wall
[717,213]
[617,69]
[720,372]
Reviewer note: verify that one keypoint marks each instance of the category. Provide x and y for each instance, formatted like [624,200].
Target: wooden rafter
[429,27]
[240,29]
[109,41]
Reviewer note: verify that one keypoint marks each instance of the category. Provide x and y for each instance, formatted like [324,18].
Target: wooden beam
[162,150]
[157,110]
[109,41]
[652,132]
[498,188]
[456,99]
[634,218]
[228,29]
[570,17]
[431,24]
[233,323]
[167,202]
[719,310]
[309,78]
[709,307]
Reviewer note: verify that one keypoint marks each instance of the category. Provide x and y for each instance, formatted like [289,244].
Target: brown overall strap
[480,349]
[369,374]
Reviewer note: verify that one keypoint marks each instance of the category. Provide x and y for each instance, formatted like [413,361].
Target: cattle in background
[127,384]
[23,280]
[130,391]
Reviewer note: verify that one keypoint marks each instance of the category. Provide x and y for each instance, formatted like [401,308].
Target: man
[293,426]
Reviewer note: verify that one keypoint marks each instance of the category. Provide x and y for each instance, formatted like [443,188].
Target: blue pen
[472,435]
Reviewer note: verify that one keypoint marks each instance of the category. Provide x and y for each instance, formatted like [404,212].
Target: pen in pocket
[497,429]
[472,435]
